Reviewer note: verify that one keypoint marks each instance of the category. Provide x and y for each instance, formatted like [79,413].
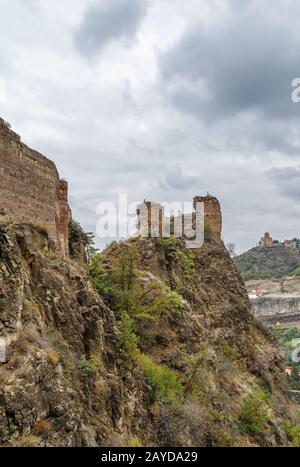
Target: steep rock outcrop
[60,385]
[64,382]
[216,347]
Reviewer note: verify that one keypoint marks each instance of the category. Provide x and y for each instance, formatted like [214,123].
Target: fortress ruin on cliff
[152,221]
[31,190]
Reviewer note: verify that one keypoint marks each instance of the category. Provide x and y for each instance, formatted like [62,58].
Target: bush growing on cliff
[127,337]
[170,246]
[165,384]
[81,243]
[100,276]
[292,431]
[53,356]
[134,442]
[90,366]
[161,303]
[124,288]
[188,265]
[254,415]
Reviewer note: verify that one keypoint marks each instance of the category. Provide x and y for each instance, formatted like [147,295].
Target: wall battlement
[31,190]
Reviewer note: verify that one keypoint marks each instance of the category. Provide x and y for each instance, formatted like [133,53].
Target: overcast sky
[161,99]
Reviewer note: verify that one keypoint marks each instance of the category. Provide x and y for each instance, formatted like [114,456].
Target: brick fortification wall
[212,215]
[30,188]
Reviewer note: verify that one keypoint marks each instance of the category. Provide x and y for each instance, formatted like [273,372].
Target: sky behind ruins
[162,99]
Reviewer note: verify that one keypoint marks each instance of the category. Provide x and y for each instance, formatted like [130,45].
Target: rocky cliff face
[271,309]
[66,382]
[60,385]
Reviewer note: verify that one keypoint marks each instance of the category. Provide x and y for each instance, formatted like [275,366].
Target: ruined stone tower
[212,215]
[31,190]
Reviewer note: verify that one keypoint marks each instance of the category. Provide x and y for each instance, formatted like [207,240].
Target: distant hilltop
[271,272]
[267,241]
[270,259]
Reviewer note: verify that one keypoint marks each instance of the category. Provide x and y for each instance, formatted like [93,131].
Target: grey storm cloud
[176,179]
[200,102]
[287,180]
[108,20]
[246,63]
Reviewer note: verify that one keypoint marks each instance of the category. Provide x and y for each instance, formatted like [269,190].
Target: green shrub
[164,382]
[254,415]
[134,442]
[188,265]
[90,366]
[187,294]
[99,275]
[53,356]
[229,351]
[127,338]
[123,286]
[134,297]
[165,303]
[170,241]
[81,243]
[170,246]
[292,431]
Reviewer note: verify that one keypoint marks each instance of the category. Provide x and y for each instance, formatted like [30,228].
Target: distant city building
[295,243]
[266,240]
[256,293]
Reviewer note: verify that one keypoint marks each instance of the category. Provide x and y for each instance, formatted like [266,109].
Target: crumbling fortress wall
[31,190]
[153,223]
[151,219]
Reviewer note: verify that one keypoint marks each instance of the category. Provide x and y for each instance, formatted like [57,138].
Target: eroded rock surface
[54,326]
[63,383]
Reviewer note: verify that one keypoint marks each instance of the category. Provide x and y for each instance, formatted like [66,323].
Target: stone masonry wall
[30,188]
[212,215]
[150,219]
